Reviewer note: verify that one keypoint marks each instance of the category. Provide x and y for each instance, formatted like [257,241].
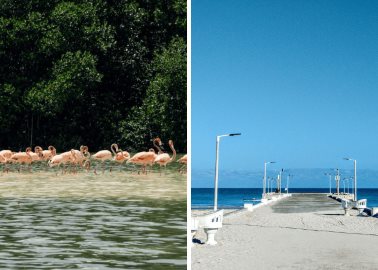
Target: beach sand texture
[306,231]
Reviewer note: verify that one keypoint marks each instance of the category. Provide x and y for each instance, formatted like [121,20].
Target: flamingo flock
[81,158]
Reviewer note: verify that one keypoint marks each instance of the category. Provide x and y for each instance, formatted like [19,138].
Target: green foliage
[71,76]
[92,72]
[161,113]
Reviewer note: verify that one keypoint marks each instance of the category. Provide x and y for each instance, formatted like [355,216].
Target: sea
[203,198]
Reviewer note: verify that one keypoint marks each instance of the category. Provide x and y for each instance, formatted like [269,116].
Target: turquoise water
[233,197]
[87,221]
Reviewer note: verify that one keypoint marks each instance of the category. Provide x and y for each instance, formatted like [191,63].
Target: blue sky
[298,79]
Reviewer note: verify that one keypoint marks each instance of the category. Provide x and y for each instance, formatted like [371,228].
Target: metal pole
[268,183]
[216,176]
[348,185]
[355,180]
[216,168]
[330,183]
[280,180]
[287,184]
[264,182]
[337,182]
[344,185]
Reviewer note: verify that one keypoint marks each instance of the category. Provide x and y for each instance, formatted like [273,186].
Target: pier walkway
[305,231]
[307,203]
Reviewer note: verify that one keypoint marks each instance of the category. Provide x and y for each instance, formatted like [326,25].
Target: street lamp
[216,168]
[280,180]
[287,182]
[355,177]
[264,182]
[347,179]
[330,182]
[271,184]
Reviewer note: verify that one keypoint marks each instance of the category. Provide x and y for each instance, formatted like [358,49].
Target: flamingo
[4,158]
[163,159]
[45,154]
[145,158]
[35,156]
[104,155]
[6,153]
[79,157]
[4,161]
[22,158]
[183,160]
[119,155]
[62,158]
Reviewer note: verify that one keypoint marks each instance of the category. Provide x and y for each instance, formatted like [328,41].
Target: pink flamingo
[4,161]
[163,159]
[22,158]
[183,160]
[45,154]
[145,158]
[79,157]
[120,156]
[104,155]
[61,159]
[6,153]
[35,156]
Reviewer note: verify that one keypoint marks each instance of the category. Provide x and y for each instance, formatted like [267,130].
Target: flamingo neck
[173,150]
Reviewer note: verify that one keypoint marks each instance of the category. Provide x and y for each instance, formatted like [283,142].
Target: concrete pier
[305,231]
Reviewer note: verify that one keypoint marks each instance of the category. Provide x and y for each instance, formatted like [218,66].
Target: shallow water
[86,221]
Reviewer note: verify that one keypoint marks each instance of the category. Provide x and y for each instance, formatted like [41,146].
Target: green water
[86,221]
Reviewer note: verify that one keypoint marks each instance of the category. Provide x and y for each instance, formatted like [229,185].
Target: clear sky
[298,79]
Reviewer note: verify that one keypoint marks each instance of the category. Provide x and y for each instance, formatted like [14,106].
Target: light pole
[355,177]
[264,181]
[337,178]
[330,182]
[281,171]
[271,179]
[216,168]
[287,182]
[344,179]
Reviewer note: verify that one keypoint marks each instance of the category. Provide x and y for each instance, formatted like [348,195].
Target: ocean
[203,198]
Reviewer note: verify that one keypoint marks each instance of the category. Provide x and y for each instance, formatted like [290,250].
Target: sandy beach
[300,232]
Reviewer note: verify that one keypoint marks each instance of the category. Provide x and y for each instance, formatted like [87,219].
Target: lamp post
[264,181]
[287,182]
[330,182]
[337,178]
[216,168]
[355,176]
[280,181]
[271,180]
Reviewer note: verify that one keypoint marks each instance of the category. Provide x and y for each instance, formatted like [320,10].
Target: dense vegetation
[92,72]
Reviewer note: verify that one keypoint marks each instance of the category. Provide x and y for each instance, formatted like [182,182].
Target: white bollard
[347,205]
[248,206]
[211,236]
[211,223]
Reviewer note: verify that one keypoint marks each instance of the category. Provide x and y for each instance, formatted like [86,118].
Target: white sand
[286,235]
